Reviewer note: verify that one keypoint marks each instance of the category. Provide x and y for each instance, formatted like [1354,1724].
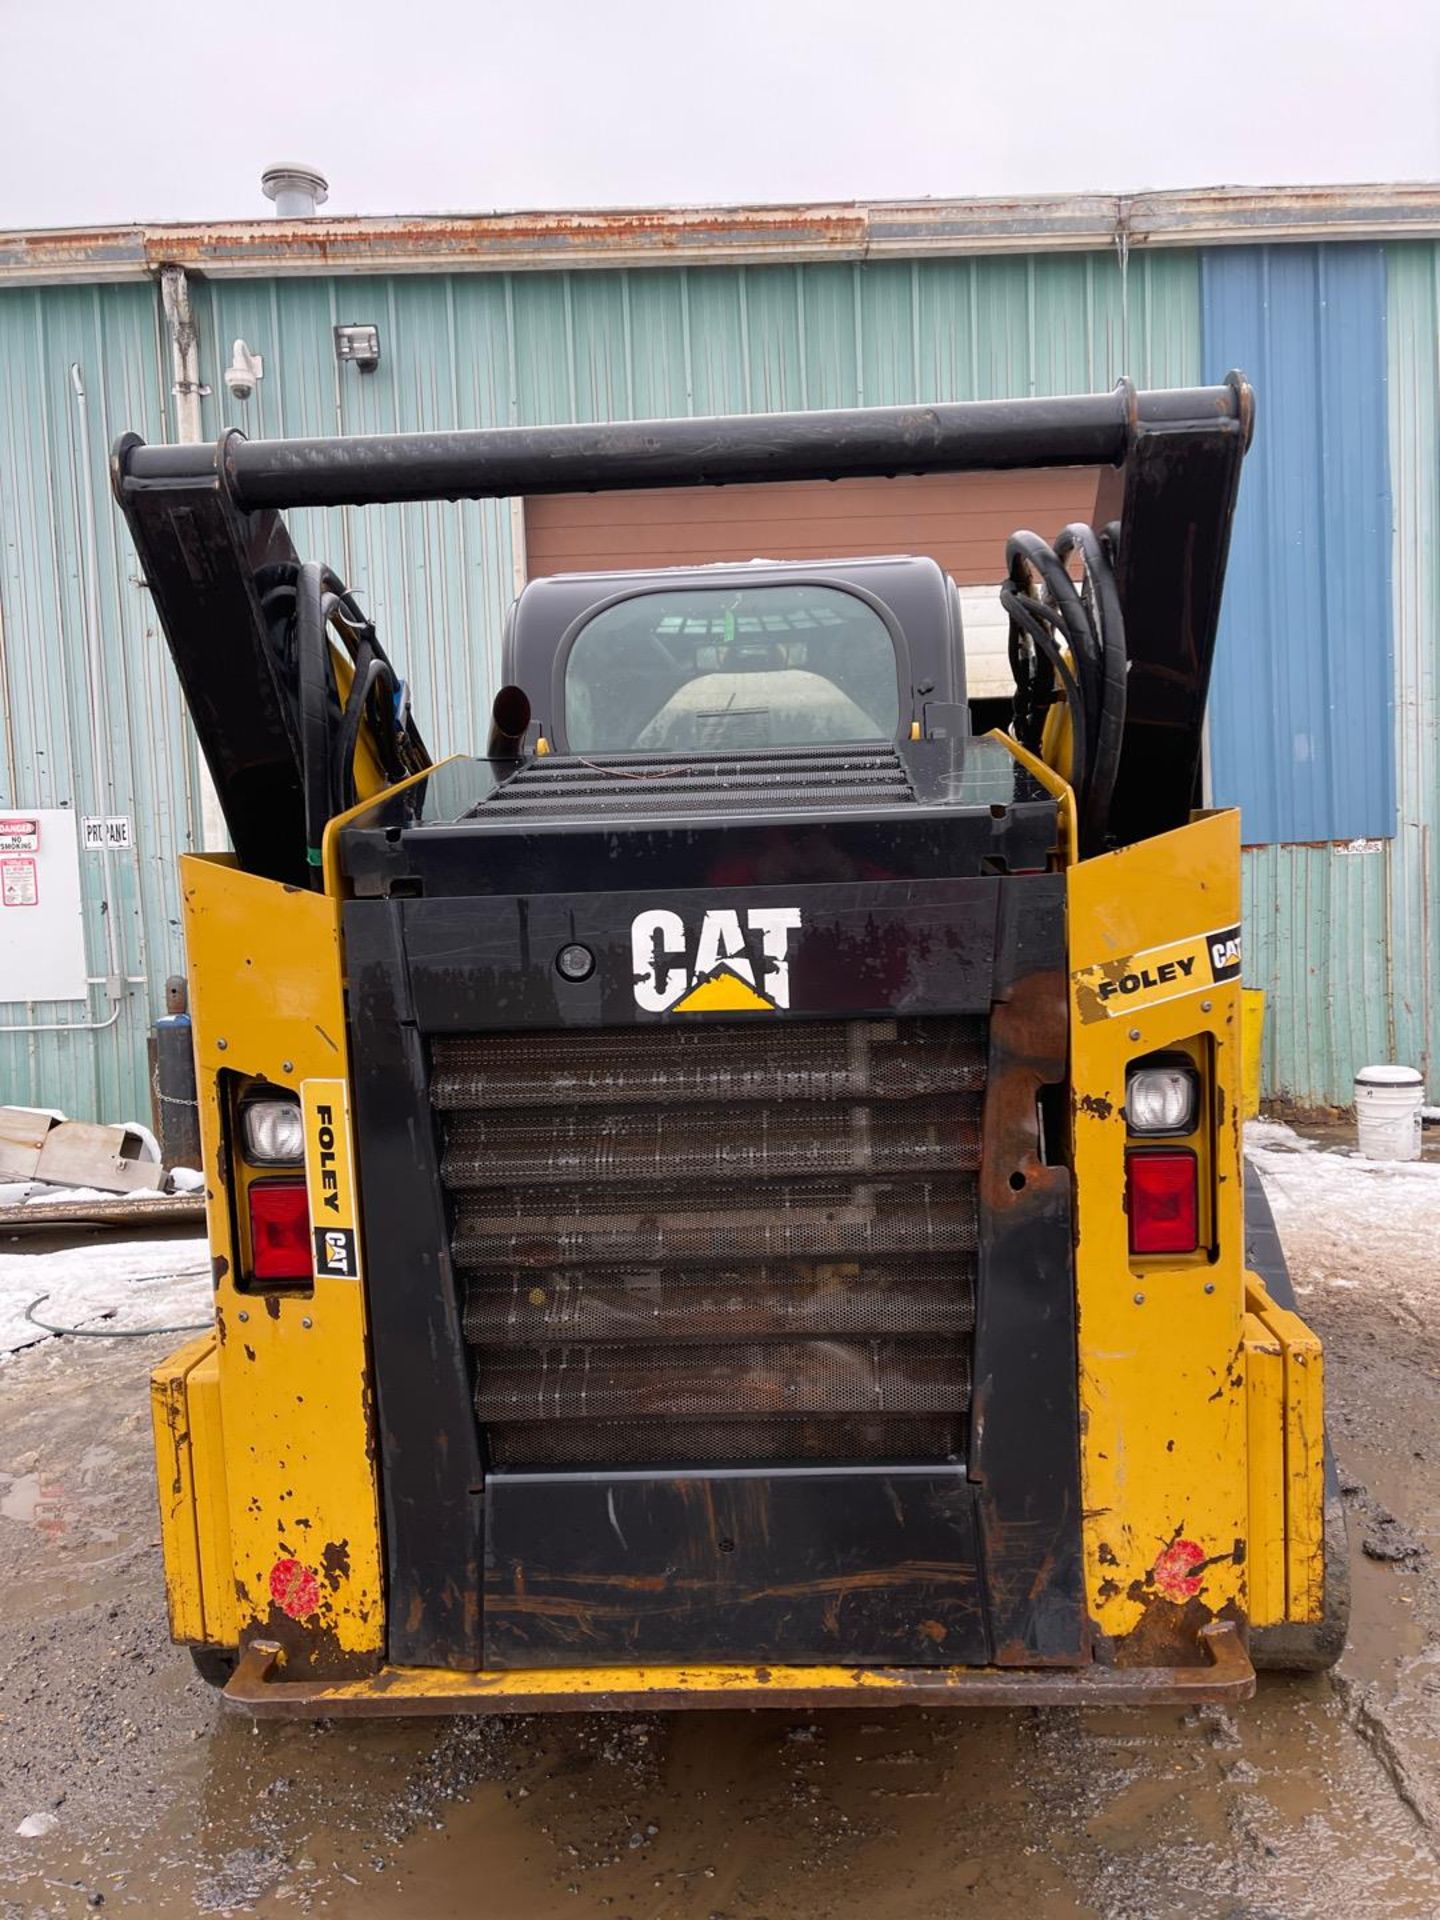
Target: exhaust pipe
[509,723]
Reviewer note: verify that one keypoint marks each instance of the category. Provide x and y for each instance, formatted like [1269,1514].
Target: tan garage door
[962,520]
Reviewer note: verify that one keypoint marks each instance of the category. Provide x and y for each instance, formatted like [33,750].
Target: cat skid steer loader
[732,1195]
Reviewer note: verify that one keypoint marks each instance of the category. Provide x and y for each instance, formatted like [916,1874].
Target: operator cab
[735,659]
[737,725]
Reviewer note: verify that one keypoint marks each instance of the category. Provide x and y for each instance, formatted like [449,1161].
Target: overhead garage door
[962,520]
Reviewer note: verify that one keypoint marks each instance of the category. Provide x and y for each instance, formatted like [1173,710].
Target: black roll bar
[1080,430]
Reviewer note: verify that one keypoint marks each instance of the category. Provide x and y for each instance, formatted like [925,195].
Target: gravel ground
[1322,1796]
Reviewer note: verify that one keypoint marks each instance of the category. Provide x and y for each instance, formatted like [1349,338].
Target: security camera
[244,370]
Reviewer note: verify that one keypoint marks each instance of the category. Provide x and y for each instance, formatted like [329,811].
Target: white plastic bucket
[1387,1112]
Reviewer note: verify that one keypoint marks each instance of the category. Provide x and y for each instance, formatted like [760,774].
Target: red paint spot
[294,1589]
[1175,1571]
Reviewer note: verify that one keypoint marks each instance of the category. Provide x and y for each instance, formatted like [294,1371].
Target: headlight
[1161,1099]
[273,1133]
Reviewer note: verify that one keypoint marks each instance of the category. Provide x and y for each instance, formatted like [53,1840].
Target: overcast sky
[116,110]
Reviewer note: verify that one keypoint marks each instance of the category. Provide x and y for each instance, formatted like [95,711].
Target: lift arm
[205,520]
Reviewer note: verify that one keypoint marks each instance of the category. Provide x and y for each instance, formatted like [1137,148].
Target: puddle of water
[1286,1808]
[1275,1809]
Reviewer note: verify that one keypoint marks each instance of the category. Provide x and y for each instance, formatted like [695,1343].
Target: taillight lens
[279,1230]
[1162,1196]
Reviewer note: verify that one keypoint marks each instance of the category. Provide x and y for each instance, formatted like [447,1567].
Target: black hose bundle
[308,608]
[1067,642]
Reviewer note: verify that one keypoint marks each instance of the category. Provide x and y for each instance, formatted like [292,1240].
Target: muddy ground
[1322,1796]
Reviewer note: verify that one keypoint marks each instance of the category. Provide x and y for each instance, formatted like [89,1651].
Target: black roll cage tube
[726,450]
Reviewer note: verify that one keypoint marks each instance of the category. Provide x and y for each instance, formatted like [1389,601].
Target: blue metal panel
[1300,715]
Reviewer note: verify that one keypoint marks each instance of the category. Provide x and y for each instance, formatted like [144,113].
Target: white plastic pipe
[99,704]
[188,391]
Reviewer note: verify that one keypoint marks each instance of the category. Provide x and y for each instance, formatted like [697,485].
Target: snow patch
[1338,1213]
[1272,1133]
[123,1286]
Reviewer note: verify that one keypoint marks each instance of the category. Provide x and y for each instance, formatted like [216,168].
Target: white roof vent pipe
[298,191]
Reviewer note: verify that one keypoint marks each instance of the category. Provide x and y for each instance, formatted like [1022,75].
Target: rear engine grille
[777,1377]
[721,1143]
[826,1062]
[620,785]
[718,1243]
[774,1300]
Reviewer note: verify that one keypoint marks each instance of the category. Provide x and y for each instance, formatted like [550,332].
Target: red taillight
[1162,1195]
[279,1230]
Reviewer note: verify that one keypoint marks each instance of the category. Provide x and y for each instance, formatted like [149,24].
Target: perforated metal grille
[890,1060]
[721,1243]
[821,1220]
[711,1142]
[771,1299]
[560,785]
[720,1381]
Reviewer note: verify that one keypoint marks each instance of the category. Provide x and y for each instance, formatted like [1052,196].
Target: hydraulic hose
[1028,551]
[309,610]
[1067,640]
[1037,622]
[319,702]
[1101,600]
[372,676]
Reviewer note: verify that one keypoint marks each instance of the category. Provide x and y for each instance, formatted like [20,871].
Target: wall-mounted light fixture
[359,345]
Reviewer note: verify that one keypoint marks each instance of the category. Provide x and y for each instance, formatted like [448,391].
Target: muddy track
[1320,1797]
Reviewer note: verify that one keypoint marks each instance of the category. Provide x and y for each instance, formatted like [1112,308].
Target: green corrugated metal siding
[463,350]
[1342,939]
[1316,942]
[111,334]
[1414,854]
[472,350]
[436,578]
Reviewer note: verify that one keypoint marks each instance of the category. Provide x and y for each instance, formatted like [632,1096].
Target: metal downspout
[1122,256]
[95,673]
[188,391]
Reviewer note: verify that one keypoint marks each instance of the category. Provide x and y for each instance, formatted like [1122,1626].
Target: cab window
[721,669]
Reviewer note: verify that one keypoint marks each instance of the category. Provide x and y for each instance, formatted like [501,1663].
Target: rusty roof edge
[702,236]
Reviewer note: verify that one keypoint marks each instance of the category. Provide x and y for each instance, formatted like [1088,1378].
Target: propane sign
[107,830]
